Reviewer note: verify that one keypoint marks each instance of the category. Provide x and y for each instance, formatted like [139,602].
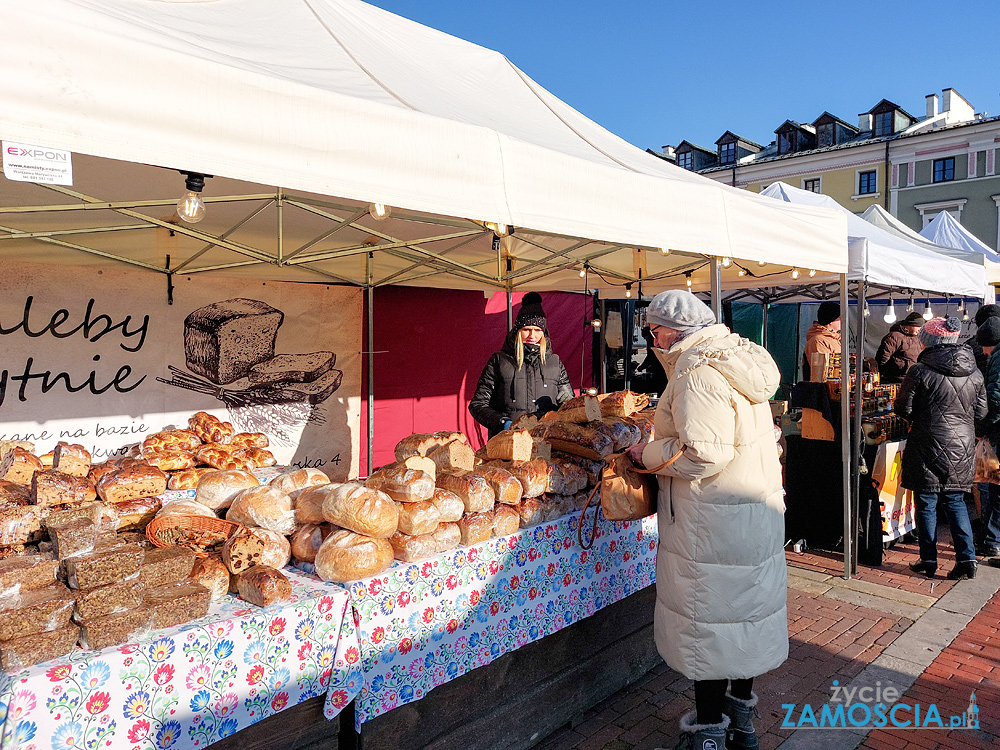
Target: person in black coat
[524,377]
[944,399]
[982,315]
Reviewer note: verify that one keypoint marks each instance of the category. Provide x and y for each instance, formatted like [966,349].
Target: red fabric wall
[431,346]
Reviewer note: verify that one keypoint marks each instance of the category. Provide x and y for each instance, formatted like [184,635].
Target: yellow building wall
[839,184]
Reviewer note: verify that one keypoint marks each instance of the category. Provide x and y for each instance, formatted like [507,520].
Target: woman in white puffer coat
[721,585]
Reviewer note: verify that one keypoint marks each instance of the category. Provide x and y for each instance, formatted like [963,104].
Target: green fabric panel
[748,321]
[782,342]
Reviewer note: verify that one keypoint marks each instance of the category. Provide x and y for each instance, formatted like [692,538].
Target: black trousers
[710,694]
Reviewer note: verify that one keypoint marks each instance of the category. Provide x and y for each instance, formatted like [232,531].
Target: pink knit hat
[940,331]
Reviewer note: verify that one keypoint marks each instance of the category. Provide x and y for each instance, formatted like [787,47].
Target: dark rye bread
[222,341]
[292,368]
[315,392]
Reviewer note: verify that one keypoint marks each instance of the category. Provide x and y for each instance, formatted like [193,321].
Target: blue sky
[656,73]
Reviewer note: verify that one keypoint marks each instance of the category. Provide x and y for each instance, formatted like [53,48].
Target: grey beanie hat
[679,310]
[940,331]
[989,332]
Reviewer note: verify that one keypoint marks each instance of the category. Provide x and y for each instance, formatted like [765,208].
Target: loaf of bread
[217,488]
[471,488]
[536,477]
[210,429]
[622,433]
[447,536]
[476,528]
[72,537]
[292,368]
[422,443]
[107,600]
[541,448]
[187,479]
[453,456]
[35,611]
[557,506]
[97,471]
[510,445]
[171,440]
[580,409]
[225,457]
[264,586]
[294,480]
[170,459]
[103,566]
[13,494]
[505,486]
[6,445]
[115,629]
[26,572]
[130,482]
[572,477]
[266,507]
[590,467]
[449,505]
[18,653]
[402,484]
[135,515]
[407,548]
[260,457]
[21,524]
[213,574]
[531,512]
[18,465]
[71,459]
[421,463]
[308,503]
[163,565]
[506,520]
[50,487]
[346,556]
[589,440]
[224,340]
[307,539]
[255,546]
[622,403]
[418,518]
[184,506]
[525,422]
[177,603]
[361,509]
[644,424]
[250,440]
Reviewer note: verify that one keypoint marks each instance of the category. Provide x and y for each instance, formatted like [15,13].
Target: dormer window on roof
[889,118]
[727,153]
[731,148]
[793,136]
[684,160]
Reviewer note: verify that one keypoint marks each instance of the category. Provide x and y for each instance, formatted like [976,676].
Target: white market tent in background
[959,244]
[307,112]
[881,258]
[945,230]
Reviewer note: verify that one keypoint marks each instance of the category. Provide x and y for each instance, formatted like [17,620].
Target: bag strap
[664,465]
[583,515]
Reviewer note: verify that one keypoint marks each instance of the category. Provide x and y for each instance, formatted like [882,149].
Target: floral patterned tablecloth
[423,624]
[190,686]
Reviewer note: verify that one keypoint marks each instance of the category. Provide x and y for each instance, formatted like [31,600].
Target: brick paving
[828,640]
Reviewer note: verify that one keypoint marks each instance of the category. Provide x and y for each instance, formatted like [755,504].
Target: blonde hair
[519,349]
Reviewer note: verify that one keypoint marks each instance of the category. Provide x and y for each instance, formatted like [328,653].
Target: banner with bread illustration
[898,510]
[99,357]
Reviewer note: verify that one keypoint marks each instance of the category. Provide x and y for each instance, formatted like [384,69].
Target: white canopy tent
[959,244]
[945,230]
[306,112]
[883,258]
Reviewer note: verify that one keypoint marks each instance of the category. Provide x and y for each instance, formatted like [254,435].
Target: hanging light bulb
[379,211]
[596,323]
[500,230]
[812,272]
[795,273]
[191,208]
[726,262]
[965,315]
[890,312]
[761,262]
[688,275]
[866,310]
[928,313]
[909,307]
[742,272]
[583,272]
[591,391]
[961,305]
[628,290]
[665,250]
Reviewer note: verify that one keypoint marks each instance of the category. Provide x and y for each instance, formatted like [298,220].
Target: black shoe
[994,561]
[927,568]
[987,550]
[962,570]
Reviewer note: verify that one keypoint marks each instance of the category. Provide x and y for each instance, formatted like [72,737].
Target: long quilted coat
[720,569]
[944,398]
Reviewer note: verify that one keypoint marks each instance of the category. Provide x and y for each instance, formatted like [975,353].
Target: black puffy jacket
[504,392]
[944,399]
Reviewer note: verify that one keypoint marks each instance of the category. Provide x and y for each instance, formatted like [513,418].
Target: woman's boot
[741,713]
[963,570]
[696,736]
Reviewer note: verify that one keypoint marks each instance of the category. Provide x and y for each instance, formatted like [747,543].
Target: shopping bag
[627,492]
[987,463]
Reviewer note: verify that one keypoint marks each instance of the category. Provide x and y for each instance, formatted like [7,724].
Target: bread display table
[191,686]
[424,624]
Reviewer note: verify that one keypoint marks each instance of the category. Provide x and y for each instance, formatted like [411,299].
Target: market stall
[401,170]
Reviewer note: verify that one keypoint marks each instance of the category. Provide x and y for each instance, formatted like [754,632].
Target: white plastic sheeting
[337,98]
[880,257]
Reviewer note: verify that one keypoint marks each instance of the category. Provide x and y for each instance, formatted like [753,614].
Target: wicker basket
[202,534]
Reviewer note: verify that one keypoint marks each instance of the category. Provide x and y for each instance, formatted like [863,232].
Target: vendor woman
[524,377]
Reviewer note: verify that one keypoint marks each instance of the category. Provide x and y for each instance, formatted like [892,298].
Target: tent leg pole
[716,287]
[603,351]
[763,317]
[510,300]
[370,346]
[845,428]
[856,432]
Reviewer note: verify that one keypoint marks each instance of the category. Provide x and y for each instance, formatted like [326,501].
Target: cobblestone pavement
[838,630]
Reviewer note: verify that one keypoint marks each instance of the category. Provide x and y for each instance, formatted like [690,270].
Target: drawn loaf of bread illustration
[224,340]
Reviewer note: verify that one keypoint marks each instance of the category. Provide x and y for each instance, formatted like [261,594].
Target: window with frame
[824,135]
[786,142]
[727,152]
[944,169]
[883,124]
[867,183]
[684,160]
[813,185]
